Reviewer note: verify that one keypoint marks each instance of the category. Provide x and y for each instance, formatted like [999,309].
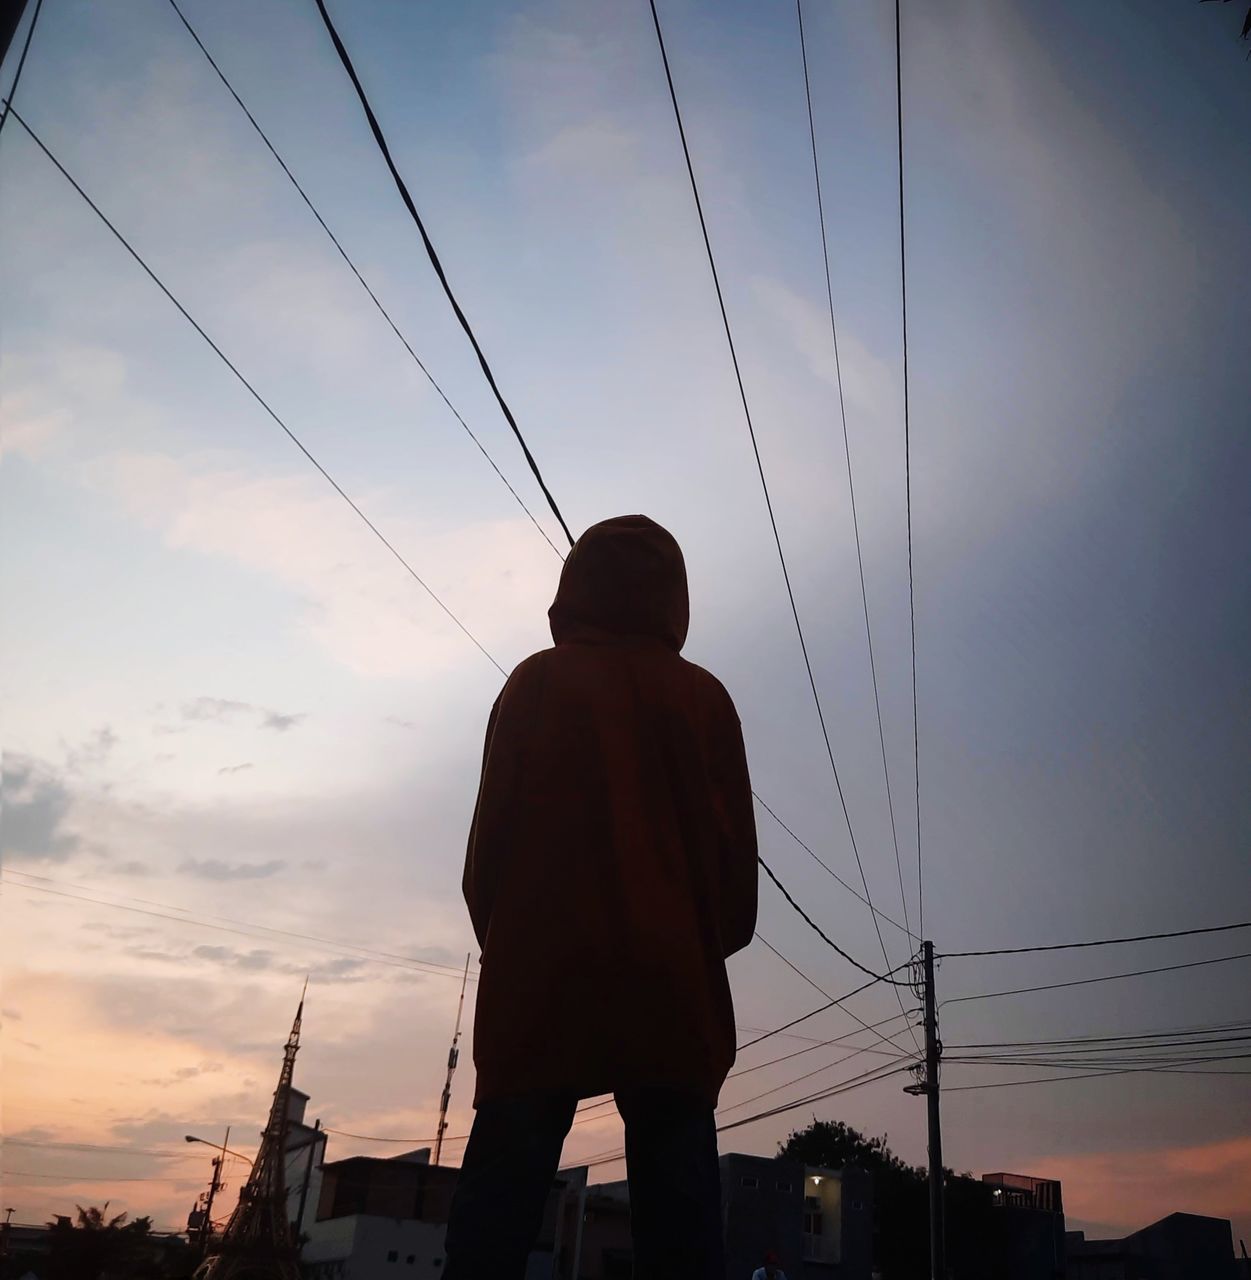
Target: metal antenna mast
[453,1056]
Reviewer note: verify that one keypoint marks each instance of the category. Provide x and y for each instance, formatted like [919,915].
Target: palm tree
[100,1247]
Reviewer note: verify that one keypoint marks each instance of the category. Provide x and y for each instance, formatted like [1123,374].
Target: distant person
[770,1270]
[611,870]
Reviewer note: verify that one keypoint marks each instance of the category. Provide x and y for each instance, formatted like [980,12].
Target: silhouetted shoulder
[716,695]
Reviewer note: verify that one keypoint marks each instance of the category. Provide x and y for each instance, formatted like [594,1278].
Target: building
[305,1155]
[1183,1246]
[385,1219]
[818,1221]
[1027,1227]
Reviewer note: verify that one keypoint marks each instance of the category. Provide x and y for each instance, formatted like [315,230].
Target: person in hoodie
[611,870]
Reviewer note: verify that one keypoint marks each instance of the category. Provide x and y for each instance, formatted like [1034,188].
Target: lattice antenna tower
[258,1243]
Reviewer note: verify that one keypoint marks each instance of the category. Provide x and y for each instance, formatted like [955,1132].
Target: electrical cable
[1097,942]
[881,1072]
[764,484]
[851,487]
[282,164]
[1236,1025]
[829,942]
[821,1044]
[1090,1075]
[376,130]
[812,1013]
[221,355]
[1107,977]
[826,867]
[912,609]
[822,991]
[101,1146]
[432,968]
[21,62]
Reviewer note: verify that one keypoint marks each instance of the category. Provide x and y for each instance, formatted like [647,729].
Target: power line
[90,1177]
[1098,942]
[1107,977]
[812,1013]
[21,62]
[817,987]
[282,164]
[221,355]
[912,609]
[872,1076]
[816,928]
[826,867]
[1077,1041]
[851,487]
[764,484]
[816,1071]
[101,1146]
[436,264]
[820,1044]
[1085,1075]
[433,968]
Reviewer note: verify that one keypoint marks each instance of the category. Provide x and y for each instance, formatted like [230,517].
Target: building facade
[818,1221]
[1027,1227]
[386,1219]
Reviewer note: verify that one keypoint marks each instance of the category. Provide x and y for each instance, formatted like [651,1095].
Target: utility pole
[453,1056]
[933,1051]
[205,1230]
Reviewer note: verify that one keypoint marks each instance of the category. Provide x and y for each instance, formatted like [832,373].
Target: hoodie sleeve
[481,857]
[493,830]
[739,875]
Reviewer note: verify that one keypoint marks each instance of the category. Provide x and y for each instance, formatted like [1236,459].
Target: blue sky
[222,695]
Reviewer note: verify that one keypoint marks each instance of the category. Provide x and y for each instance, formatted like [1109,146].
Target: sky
[241,745]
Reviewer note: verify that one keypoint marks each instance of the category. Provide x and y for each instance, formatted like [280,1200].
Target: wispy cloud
[229,709]
[215,869]
[36,806]
[236,768]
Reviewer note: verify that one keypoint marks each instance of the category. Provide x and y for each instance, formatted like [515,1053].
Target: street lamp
[217,1146]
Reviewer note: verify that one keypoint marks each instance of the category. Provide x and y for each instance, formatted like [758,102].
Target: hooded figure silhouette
[611,870]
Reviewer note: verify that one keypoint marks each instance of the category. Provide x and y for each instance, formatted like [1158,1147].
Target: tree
[99,1247]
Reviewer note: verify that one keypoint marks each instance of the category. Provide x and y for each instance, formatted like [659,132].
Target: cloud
[236,768]
[181,1075]
[280,722]
[400,724]
[355,601]
[1131,1189]
[36,805]
[96,748]
[229,708]
[215,869]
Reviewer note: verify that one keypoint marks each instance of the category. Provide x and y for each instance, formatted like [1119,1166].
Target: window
[393,1256]
[412,1257]
[784,1186]
[750,1182]
[857,1205]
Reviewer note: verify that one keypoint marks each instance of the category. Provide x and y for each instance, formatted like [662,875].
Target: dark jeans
[511,1159]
